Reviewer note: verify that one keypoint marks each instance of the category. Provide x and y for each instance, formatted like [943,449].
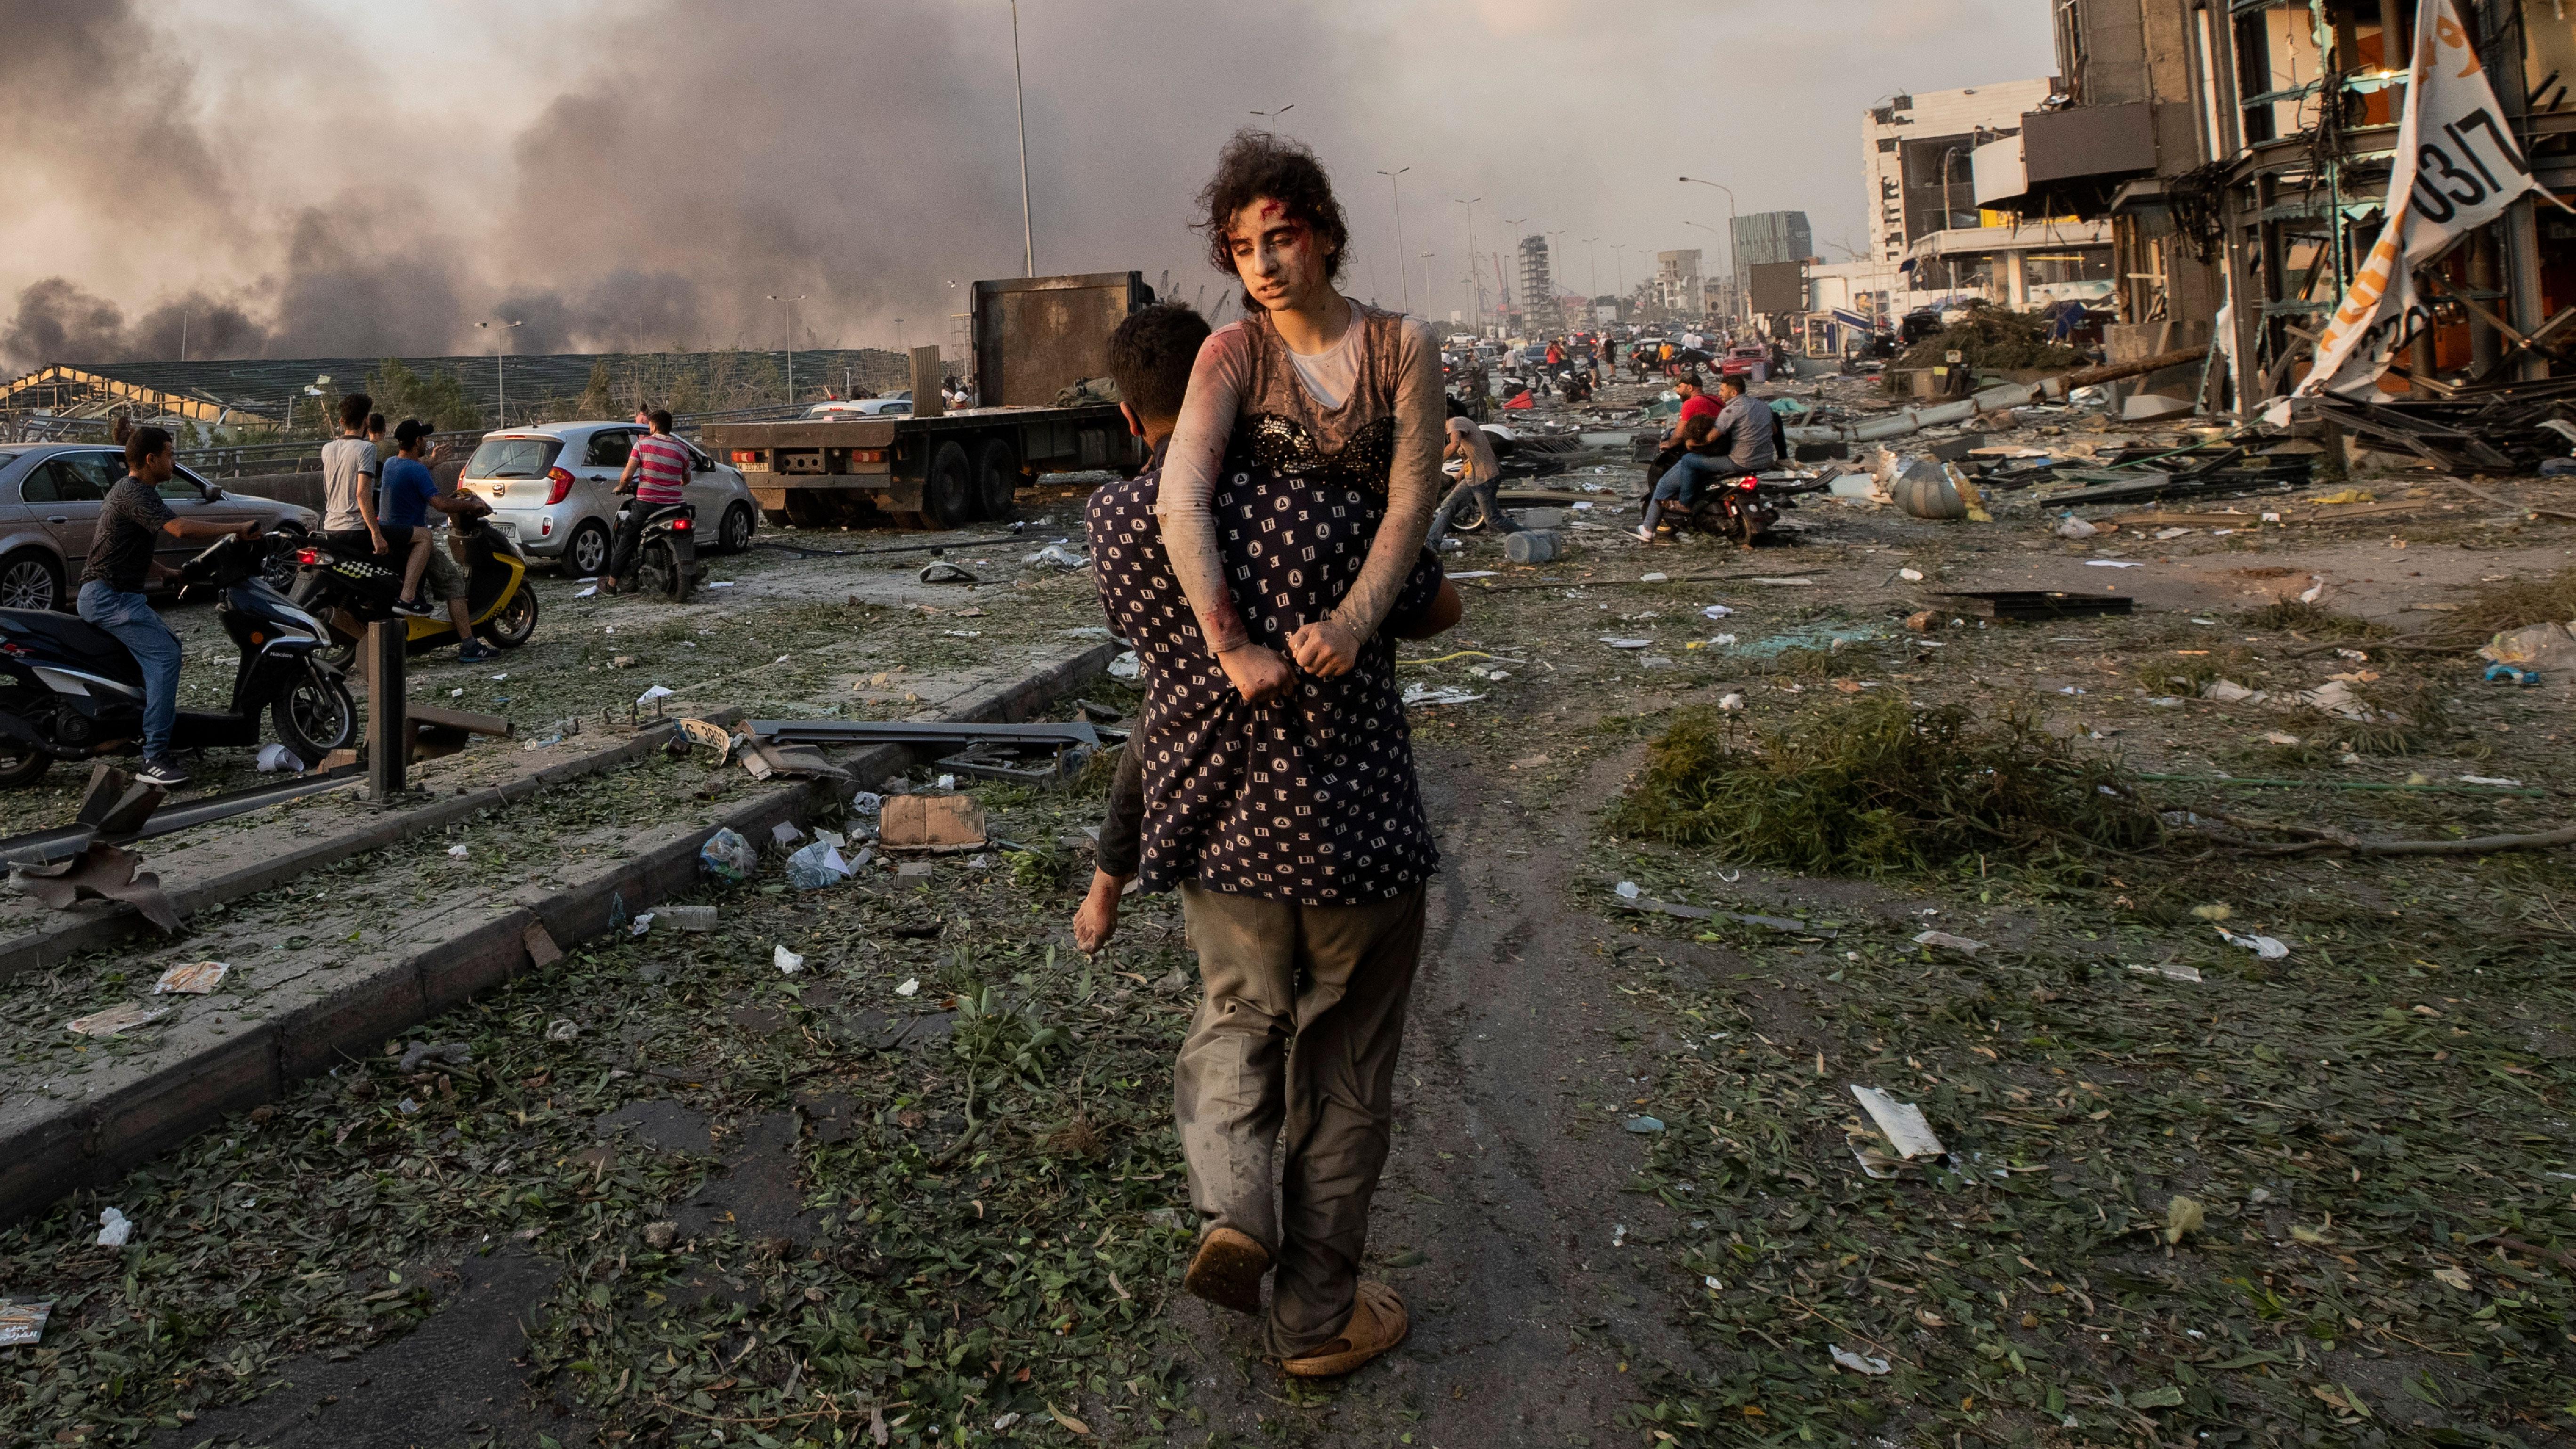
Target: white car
[554,489]
[897,405]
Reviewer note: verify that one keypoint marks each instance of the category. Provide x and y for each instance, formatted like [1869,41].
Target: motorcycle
[666,557]
[350,587]
[70,691]
[1742,509]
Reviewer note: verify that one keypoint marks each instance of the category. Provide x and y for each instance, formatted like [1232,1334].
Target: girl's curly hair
[1256,164]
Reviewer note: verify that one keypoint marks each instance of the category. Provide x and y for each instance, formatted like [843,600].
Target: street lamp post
[1619,270]
[1404,274]
[1476,290]
[1273,117]
[1731,278]
[500,380]
[1020,102]
[1426,280]
[791,341]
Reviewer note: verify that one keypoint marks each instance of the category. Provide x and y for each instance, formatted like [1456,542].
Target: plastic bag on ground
[113,1229]
[727,856]
[817,866]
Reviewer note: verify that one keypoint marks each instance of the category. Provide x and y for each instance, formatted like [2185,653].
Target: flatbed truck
[1034,337]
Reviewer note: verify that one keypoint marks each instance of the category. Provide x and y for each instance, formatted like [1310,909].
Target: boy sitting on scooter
[410,492]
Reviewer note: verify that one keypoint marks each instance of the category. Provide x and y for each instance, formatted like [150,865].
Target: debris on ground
[193,978]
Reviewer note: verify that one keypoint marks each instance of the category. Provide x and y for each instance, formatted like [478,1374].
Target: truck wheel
[948,494]
[997,480]
[808,508]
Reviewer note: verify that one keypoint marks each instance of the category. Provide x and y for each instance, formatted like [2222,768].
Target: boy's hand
[1097,920]
[1325,649]
[1258,674]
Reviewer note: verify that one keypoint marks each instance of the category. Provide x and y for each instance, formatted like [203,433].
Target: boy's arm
[1116,860]
[1439,617]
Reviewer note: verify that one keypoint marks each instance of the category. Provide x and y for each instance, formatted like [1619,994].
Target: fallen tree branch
[2326,837]
[2416,643]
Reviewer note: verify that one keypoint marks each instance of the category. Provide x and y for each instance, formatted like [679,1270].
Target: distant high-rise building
[1678,287]
[1766,237]
[1538,286]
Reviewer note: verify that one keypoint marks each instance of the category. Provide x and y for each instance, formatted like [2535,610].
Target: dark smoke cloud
[718,156]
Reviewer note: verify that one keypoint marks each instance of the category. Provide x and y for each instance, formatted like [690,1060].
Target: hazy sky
[377,177]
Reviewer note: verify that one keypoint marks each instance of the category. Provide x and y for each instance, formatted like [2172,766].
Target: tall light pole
[791,341]
[1731,269]
[1405,273]
[1020,100]
[500,380]
[1476,289]
[1619,269]
[1273,118]
[1426,280]
[1592,249]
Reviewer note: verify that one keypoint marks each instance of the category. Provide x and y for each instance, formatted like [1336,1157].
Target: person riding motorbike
[131,521]
[1743,439]
[656,470]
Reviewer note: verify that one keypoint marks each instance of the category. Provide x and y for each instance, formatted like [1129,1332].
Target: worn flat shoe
[1378,1323]
[1227,1269]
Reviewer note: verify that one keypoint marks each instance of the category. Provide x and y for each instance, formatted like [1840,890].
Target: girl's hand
[1325,649]
[1259,674]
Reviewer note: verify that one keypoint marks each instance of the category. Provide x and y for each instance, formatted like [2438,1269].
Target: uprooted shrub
[1878,787]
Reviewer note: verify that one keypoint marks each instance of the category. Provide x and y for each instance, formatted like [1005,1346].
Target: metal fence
[254,460]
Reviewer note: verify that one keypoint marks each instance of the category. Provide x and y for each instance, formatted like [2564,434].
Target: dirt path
[1497,1214]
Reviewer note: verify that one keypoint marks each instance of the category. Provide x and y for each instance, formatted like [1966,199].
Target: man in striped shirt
[655,471]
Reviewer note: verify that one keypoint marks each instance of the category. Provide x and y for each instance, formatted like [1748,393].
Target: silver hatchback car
[554,488]
[49,501]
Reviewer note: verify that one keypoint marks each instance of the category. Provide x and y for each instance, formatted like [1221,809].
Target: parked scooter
[69,690]
[350,587]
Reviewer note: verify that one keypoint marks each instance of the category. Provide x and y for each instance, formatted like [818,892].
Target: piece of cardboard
[931,822]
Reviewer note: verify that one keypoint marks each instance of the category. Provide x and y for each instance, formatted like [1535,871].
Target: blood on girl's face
[1277,257]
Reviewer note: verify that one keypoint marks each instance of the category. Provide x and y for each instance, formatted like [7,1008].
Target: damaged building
[2240,155]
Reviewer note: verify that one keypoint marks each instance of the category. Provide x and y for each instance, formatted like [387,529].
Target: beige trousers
[1289,1073]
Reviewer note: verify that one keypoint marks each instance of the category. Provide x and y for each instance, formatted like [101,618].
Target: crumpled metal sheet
[105,872]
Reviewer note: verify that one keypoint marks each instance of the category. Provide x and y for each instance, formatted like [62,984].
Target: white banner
[2457,168]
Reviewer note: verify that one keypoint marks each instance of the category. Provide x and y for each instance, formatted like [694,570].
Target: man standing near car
[350,469]
[130,521]
[657,468]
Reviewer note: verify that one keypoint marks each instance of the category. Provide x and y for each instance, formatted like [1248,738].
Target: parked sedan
[49,501]
[554,488]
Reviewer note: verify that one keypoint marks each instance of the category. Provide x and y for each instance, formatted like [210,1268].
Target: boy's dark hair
[354,409]
[144,444]
[1150,357]
[660,418]
[1696,431]
[1256,164]
[375,423]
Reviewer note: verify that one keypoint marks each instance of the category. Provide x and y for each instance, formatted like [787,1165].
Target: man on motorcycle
[1480,477]
[411,491]
[130,522]
[1746,429]
[656,470]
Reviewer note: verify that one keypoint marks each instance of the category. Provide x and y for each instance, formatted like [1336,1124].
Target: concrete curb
[97,925]
[50,1146]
